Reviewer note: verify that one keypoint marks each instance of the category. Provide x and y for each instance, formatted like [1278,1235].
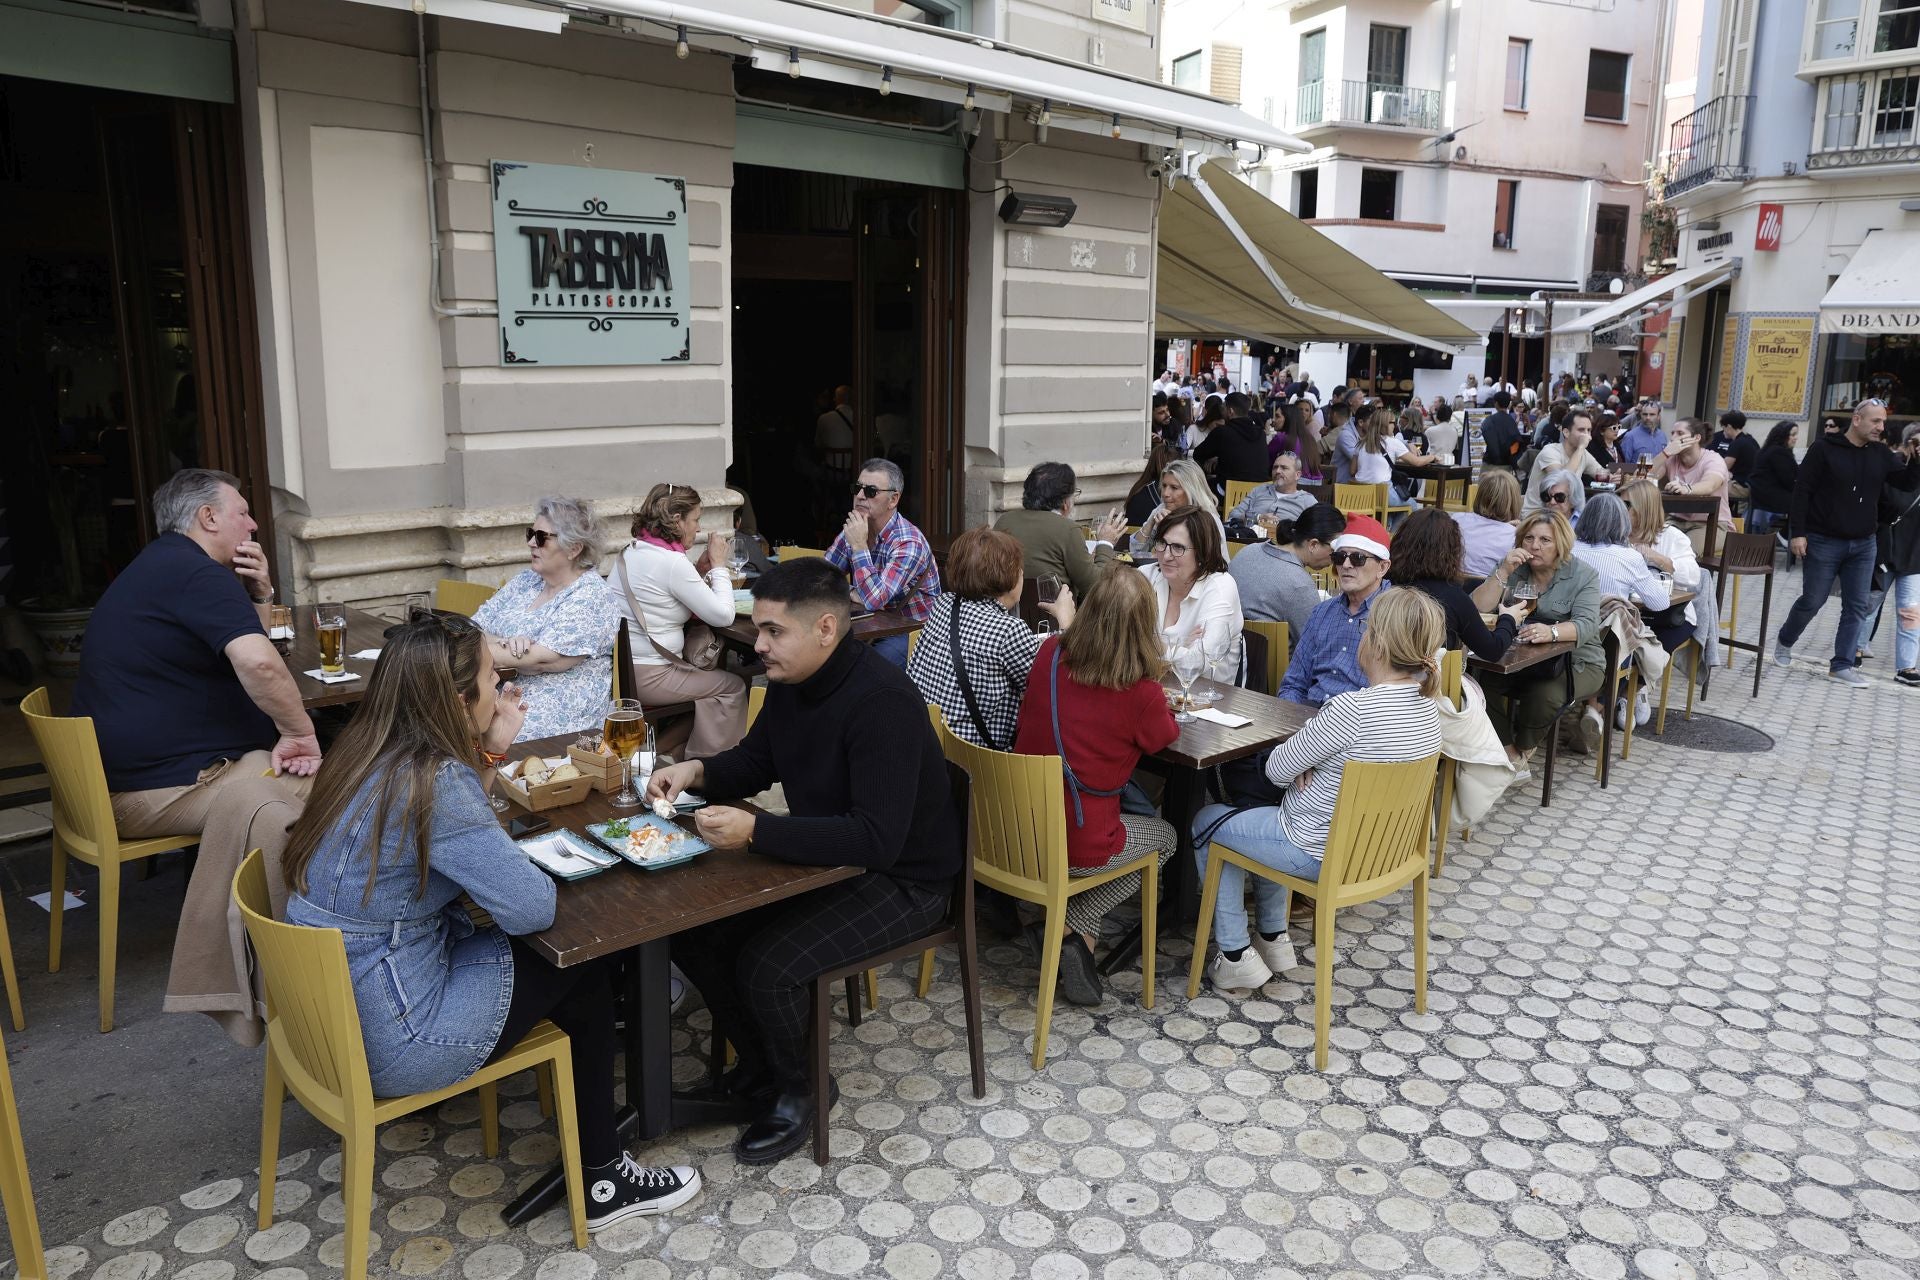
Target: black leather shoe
[1079,977]
[752,1088]
[783,1129]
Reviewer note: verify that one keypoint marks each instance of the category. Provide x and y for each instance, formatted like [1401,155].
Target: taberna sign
[591,265]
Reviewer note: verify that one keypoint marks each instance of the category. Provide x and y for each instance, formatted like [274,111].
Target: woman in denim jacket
[397,829]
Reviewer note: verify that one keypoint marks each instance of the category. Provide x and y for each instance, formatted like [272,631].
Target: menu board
[1729,349]
[1779,365]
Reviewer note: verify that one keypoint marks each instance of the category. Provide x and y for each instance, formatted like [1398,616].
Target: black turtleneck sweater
[865,781]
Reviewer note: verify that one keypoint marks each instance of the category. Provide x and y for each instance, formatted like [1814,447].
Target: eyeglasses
[1173,549]
[1554,497]
[540,537]
[1875,401]
[1352,558]
[871,490]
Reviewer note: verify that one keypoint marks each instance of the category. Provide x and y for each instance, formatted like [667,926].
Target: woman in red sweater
[1094,698]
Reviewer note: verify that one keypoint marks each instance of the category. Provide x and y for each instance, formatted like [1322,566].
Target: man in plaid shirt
[887,558]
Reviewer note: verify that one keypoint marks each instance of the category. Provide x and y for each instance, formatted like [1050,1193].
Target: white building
[1493,148]
[1794,181]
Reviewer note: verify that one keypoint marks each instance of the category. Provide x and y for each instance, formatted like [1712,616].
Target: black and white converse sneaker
[628,1189]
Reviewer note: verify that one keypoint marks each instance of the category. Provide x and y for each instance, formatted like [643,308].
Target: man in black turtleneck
[847,736]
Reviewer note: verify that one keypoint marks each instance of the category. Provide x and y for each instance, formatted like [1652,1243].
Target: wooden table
[1519,656]
[364,631]
[1441,475]
[740,633]
[625,908]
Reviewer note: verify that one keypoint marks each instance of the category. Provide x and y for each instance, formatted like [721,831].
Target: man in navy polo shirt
[201,728]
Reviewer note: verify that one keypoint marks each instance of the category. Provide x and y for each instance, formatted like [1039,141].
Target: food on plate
[617,829]
[649,843]
[532,771]
[663,807]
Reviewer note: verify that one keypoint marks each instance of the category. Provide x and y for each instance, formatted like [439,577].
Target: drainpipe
[426,150]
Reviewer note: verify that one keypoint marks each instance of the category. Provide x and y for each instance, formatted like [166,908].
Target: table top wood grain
[364,631]
[1521,655]
[625,906]
[1201,744]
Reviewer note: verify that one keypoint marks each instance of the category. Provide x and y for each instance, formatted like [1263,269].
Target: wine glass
[1187,661]
[1048,589]
[1222,656]
[626,732]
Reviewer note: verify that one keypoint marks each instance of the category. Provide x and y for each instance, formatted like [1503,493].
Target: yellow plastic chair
[83,828]
[1448,495]
[1378,846]
[783,554]
[16,1189]
[1237,491]
[315,1051]
[1020,848]
[1279,649]
[6,971]
[457,596]
[1730,621]
[1473,496]
[1361,500]
[1235,548]
[1453,664]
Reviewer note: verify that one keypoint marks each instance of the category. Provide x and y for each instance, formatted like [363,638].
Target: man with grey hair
[1053,544]
[887,558]
[201,728]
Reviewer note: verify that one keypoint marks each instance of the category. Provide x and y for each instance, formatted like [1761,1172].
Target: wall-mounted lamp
[680,47]
[793,62]
[1024,210]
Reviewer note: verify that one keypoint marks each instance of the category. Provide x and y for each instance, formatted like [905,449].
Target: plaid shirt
[896,572]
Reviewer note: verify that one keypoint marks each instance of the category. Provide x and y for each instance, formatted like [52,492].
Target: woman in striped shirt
[1390,721]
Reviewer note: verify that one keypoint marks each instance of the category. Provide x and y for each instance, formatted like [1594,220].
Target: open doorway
[845,338]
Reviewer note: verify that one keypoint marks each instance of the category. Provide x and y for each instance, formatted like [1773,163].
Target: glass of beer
[330,624]
[419,605]
[280,627]
[626,735]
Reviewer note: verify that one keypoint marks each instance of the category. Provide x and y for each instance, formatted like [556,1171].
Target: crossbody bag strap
[626,589]
[1074,785]
[966,684]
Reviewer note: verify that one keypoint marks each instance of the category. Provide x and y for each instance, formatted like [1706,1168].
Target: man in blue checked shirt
[1326,658]
[886,557]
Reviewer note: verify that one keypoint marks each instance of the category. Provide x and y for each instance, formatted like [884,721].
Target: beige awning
[1879,292]
[1234,263]
[1576,335]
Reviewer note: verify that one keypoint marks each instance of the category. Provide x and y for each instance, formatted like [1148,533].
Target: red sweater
[1106,731]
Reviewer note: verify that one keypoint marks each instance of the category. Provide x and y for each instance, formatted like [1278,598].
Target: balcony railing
[1366,102]
[1711,145]
[1869,118]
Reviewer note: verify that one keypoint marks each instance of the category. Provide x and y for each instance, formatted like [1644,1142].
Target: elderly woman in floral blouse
[556,623]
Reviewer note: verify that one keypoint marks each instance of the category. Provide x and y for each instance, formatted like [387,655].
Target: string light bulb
[1046,111]
[680,47]
[1116,124]
[968,104]
[793,62]
[886,81]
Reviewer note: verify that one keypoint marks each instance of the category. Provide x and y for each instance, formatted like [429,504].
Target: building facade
[1794,177]
[404,360]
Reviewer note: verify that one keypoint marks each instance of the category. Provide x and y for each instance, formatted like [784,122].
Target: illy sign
[1766,233]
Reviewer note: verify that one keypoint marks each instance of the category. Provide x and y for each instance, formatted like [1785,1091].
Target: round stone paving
[1672,1031]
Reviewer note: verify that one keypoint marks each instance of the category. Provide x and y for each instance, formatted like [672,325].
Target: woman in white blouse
[1666,550]
[1199,602]
[662,591]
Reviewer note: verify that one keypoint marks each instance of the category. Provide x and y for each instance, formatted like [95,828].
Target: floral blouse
[581,621]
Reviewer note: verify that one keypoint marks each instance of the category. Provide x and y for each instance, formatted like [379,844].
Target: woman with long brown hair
[398,828]
[663,594]
[1094,699]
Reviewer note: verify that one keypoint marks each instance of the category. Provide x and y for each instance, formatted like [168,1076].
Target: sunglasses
[1560,498]
[540,537]
[871,490]
[1353,558]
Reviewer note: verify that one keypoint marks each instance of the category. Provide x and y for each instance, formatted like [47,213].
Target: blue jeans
[1257,833]
[1760,520]
[893,649]
[1851,561]
[1906,641]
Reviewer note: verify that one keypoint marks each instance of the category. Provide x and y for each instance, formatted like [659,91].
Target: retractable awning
[1662,294]
[1879,292]
[1232,262]
[822,41]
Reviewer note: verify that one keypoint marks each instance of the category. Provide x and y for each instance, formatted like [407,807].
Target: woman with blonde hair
[1566,596]
[1487,530]
[1182,484]
[1094,699]
[1381,447]
[1666,550]
[1391,720]
[662,594]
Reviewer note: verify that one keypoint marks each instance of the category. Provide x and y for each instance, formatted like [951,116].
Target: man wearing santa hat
[1326,657]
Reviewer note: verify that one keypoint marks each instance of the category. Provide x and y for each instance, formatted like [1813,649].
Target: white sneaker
[1276,955]
[1851,677]
[1248,973]
[1782,655]
[1592,729]
[1642,709]
[1620,714]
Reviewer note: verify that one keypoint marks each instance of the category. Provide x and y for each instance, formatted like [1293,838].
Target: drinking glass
[1187,661]
[1049,591]
[280,627]
[1222,656]
[626,733]
[330,624]
[419,605]
[1522,591]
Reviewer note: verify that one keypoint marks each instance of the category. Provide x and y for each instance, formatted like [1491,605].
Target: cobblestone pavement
[1673,1031]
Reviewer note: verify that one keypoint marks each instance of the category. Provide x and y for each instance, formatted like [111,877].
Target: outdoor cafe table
[886,623]
[1519,656]
[1203,745]
[625,908]
[364,631]
[1440,474]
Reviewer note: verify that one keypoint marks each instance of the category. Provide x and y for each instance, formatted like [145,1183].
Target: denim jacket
[432,989]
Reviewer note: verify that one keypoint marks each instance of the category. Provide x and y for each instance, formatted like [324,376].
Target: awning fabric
[1209,284]
[1662,292]
[1879,292]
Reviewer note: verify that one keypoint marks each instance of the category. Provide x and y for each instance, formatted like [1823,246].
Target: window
[1836,28]
[1610,239]
[1310,96]
[1306,194]
[1505,199]
[1387,56]
[1518,51]
[1899,26]
[1895,109]
[1840,115]
[1186,71]
[1606,85]
[1379,193]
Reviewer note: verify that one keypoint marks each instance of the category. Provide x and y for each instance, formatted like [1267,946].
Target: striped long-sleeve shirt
[1380,724]
[896,572]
